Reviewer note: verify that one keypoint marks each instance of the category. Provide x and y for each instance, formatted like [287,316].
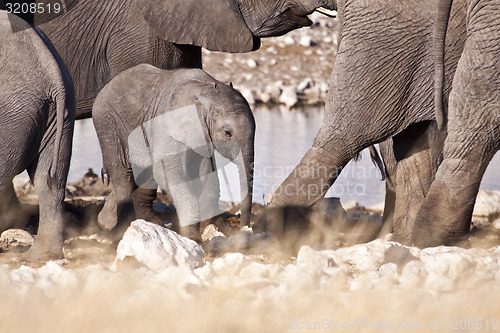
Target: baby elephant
[159,127]
[37,115]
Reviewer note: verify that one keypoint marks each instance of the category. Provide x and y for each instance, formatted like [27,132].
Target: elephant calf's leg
[143,204]
[118,208]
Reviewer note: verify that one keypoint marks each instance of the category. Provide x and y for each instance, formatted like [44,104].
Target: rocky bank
[290,70]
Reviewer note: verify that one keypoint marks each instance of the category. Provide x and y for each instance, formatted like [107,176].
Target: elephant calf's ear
[216,25]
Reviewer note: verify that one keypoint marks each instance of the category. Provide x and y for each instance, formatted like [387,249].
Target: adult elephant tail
[438,45]
[64,102]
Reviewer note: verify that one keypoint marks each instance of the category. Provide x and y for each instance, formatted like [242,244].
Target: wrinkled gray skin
[144,93]
[99,39]
[37,117]
[473,124]
[381,88]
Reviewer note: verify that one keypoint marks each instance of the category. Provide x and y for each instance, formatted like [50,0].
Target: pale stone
[211,231]
[230,263]
[304,84]
[248,95]
[318,259]
[158,248]
[363,257]
[412,275]
[453,262]
[251,63]
[289,97]
[389,271]
[306,41]
[15,237]
[487,203]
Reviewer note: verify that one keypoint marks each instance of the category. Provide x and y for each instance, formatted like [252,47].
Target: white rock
[158,248]
[412,275]
[323,86]
[389,271]
[487,202]
[306,41]
[304,84]
[54,272]
[248,94]
[15,237]
[289,97]
[318,259]
[251,63]
[210,232]
[230,263]
[452,262]
[288,40]
[274,91]
[23,275]
[439,283]
[271,50]
[496,224]
[264,97]
[255,271]
[363,258]
[23,186]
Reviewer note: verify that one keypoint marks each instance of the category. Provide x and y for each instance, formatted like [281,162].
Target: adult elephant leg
[311,178]
[473,138]
[412,178]
[49,240]
[444,217]
[407,180]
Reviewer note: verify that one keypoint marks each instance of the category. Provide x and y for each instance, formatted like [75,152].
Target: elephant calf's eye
[228,133]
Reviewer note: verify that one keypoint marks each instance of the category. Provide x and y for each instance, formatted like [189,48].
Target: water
[282,138]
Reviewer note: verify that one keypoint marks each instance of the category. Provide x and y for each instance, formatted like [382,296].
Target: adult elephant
[37,117]
[99,39]
[381,88]
[473,125]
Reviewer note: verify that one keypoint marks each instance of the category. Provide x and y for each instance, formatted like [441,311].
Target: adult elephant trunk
[438,45]
[245,171]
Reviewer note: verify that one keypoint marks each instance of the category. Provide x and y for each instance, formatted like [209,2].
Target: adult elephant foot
[44,248]
[445,216]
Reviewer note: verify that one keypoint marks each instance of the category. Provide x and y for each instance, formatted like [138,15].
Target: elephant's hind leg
[446,213]
[49,240]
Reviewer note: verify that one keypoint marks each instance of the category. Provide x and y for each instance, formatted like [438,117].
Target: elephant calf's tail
[378,161]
